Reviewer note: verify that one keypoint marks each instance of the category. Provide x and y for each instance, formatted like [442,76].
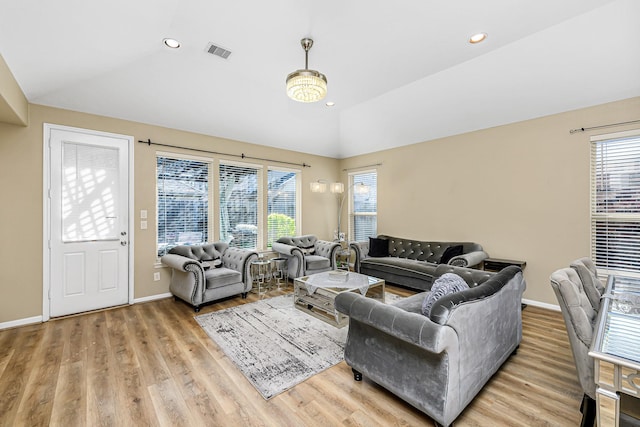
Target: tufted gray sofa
[195,278]
[306,254]
[412,263]
[438,363]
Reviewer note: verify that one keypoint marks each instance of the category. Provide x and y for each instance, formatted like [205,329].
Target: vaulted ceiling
[399,72]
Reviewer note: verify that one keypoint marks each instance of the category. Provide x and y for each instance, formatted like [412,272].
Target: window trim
[210,195]
[298,218]
[351,213]
[616,217]
[260,241]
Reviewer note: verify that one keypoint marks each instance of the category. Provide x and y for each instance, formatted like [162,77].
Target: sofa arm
[361,251]
[328,250]
[468,260]
[178,262]
[294,256]
[187,278]
[412,328]
[286,250]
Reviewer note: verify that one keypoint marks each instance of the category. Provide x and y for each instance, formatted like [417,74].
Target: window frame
[609,217]
[298,201]
[352,176]
[260,236]
[210,191]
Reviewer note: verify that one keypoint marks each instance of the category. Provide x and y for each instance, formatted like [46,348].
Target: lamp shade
[318,187]
[336,187]
[306,86]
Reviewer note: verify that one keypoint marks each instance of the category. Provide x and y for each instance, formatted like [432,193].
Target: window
[183,201]
[282,204]
[240,205]
[615,202]
[363,205]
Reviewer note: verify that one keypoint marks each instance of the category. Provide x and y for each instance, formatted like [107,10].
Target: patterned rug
[274,345]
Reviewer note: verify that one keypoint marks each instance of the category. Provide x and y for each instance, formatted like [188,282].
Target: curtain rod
[241,156]
[572,131]
[361,167]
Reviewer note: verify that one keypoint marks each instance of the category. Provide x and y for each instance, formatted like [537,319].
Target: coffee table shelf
[320,303]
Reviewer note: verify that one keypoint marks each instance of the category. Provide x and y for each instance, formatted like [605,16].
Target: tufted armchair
[204,273]
[306,254]
[579,318]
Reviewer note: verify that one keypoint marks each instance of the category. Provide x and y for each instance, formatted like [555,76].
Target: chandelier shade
[306,85]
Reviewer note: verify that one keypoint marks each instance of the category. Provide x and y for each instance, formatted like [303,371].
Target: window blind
[282,202]
[363,207]
[239,197]
[183,202]
[615,203]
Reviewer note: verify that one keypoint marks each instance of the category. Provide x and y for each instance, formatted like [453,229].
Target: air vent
[218,51]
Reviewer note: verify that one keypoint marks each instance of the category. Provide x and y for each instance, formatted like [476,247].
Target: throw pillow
[450,252]
[378,247]
[308,251]
[446,284]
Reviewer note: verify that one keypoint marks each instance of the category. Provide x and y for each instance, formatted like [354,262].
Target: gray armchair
[306,254]
[588,275]
[204,273]
[579,318]
[438,363]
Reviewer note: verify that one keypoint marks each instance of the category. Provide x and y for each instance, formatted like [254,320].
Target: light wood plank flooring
[151,364]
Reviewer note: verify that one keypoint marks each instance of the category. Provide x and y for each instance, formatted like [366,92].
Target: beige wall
[520,190]
[14,107]
[21,198]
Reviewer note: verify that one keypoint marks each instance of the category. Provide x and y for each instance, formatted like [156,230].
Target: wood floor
[151,364]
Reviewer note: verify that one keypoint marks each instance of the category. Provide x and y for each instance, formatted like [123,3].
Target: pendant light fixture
[306,85]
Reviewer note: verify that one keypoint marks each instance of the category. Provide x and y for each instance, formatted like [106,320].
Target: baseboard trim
[152,298]
[541,304]
[21,322]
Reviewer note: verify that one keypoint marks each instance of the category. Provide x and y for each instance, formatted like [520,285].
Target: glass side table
[260,275]
[343,257]
[279,271]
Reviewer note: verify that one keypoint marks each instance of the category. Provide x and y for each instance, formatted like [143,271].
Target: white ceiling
[399,72]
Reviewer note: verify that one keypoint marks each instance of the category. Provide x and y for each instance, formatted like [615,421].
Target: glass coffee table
[316,294]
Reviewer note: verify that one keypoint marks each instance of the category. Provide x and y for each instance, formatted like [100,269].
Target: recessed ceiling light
[172,43]
[330,104]
[477,38]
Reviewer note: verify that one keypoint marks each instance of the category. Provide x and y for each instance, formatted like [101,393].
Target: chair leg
[244,295]
[356,375]
[588,409]
[196,309]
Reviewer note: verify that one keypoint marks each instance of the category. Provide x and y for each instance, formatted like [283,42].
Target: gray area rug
[274,345]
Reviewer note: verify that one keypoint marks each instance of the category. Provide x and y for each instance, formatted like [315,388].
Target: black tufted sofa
[412,263]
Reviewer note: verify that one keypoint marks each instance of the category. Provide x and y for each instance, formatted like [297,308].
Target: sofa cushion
[401,267]
[217,277]
[316,262]
[449,253]
[378,247]
[446,284]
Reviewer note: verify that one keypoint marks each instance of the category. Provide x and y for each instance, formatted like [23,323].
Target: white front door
[89,221]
